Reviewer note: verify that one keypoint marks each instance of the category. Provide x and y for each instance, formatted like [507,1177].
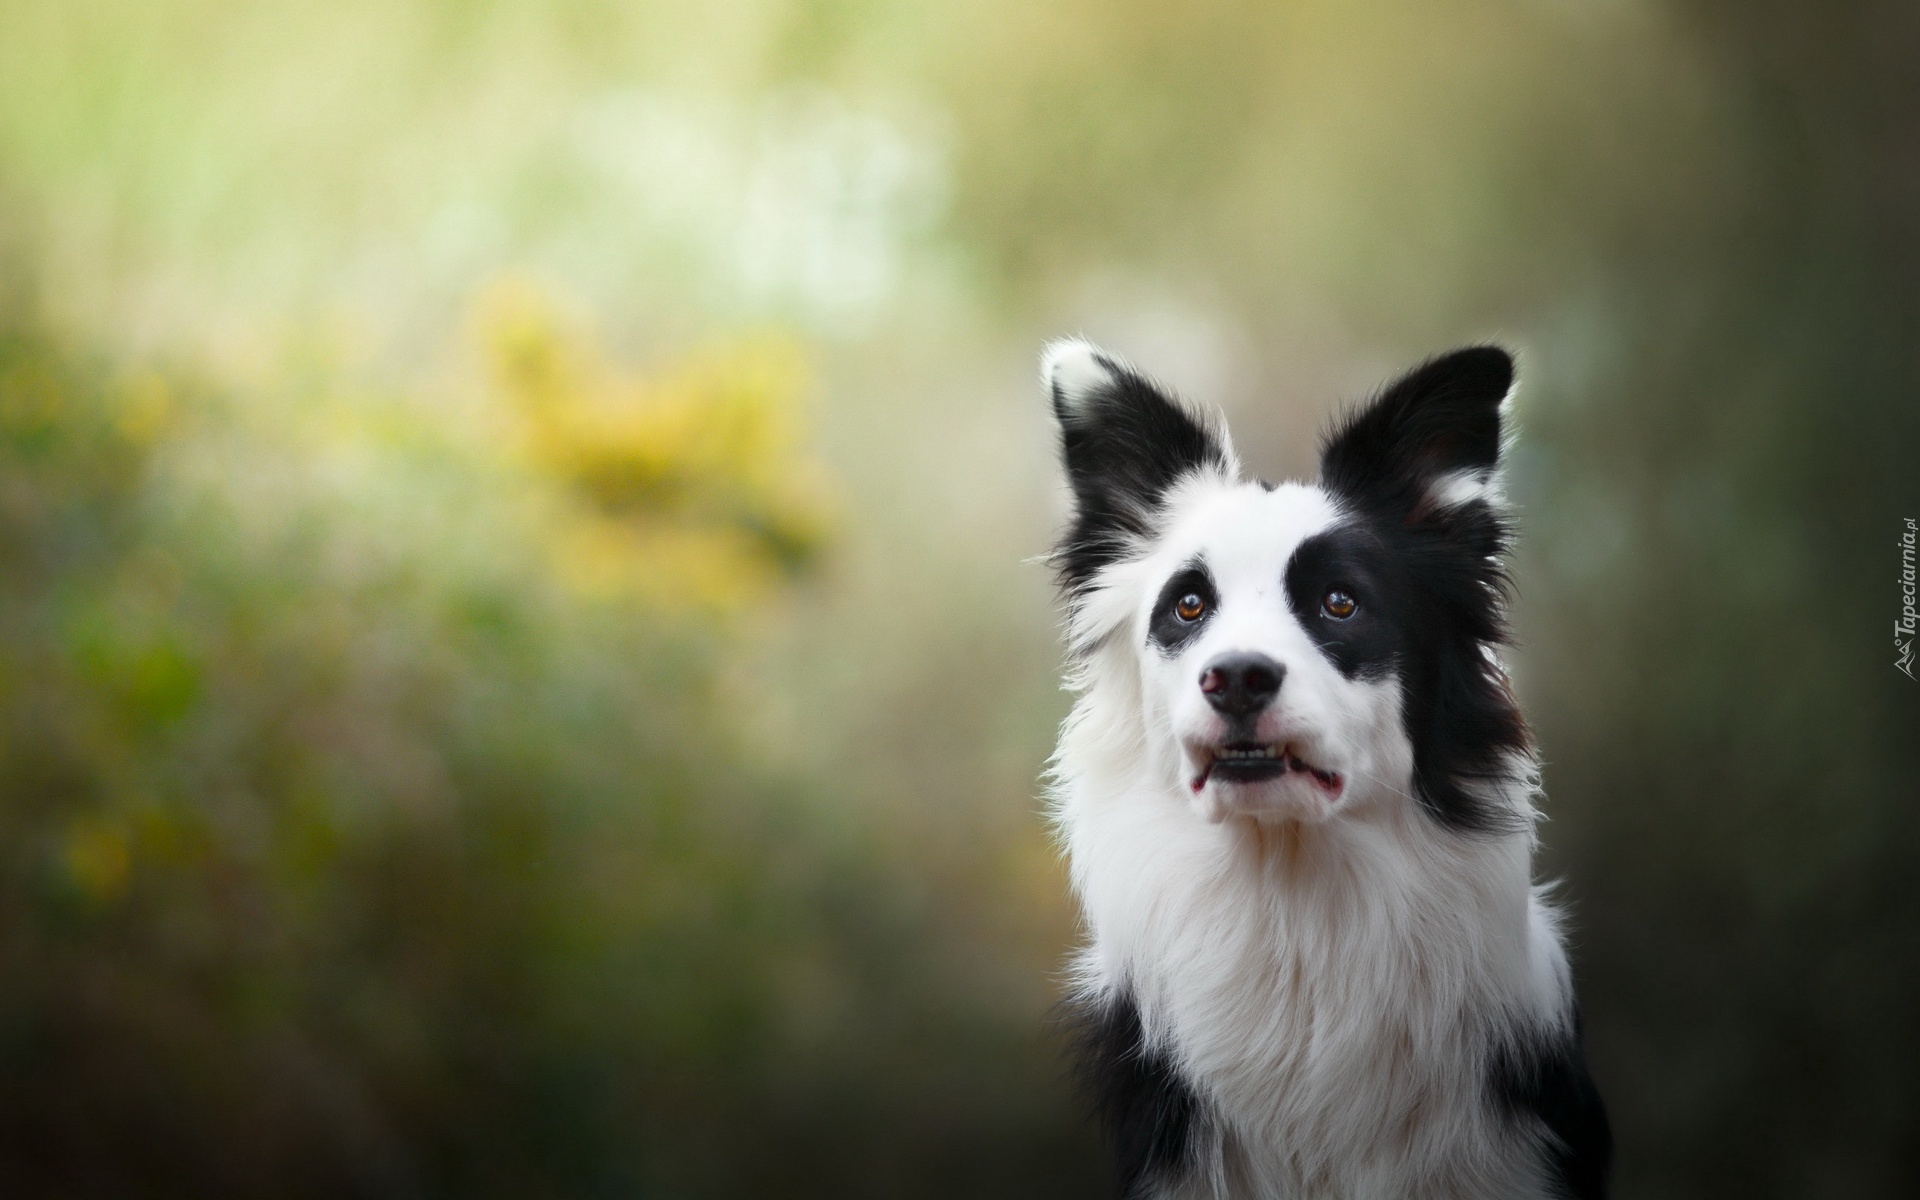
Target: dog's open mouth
[1250,762]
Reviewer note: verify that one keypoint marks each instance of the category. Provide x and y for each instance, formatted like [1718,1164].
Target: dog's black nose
[1241,684]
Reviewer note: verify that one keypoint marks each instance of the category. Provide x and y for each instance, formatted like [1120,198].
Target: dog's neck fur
[1305,975]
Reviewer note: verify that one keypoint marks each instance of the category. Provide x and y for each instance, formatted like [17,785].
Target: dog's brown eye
[1338,605]
[1190,607]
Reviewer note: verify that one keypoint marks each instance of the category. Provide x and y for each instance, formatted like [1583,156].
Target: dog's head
[1297,651]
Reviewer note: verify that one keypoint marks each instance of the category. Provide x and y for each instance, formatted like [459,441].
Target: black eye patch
[1347,559]
[1172,626]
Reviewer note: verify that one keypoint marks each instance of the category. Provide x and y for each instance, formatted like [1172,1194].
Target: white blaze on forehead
[1243,532]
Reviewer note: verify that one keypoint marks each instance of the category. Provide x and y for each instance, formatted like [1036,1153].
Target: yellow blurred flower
[690,489]
[145,407]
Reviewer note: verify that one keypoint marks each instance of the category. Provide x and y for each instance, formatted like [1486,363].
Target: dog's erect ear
[1431,440]
[1420,462]
[1124,442]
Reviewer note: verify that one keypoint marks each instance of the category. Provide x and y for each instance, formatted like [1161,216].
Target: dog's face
[1267,657]
[1303,650]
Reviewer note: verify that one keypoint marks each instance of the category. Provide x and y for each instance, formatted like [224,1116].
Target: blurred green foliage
[517,675]
[350,850]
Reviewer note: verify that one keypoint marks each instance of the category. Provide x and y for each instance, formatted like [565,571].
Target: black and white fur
[1298,799]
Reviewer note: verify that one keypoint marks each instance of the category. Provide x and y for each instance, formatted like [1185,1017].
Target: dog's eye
[1190,607]
[1339,605]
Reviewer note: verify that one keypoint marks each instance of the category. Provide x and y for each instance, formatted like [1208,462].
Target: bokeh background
[522,665]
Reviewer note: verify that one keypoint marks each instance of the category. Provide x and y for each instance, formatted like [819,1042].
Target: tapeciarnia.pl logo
[1904,627]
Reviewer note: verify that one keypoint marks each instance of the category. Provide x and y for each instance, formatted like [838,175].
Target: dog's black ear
[1124,442]
[1419,464]
[1429,441]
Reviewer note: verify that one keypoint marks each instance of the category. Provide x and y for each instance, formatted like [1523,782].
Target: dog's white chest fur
[1327,990]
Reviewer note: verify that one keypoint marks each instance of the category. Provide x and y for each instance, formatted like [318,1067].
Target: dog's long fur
[1332,977]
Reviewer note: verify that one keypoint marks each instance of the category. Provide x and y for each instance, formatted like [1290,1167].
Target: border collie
[1298,799]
